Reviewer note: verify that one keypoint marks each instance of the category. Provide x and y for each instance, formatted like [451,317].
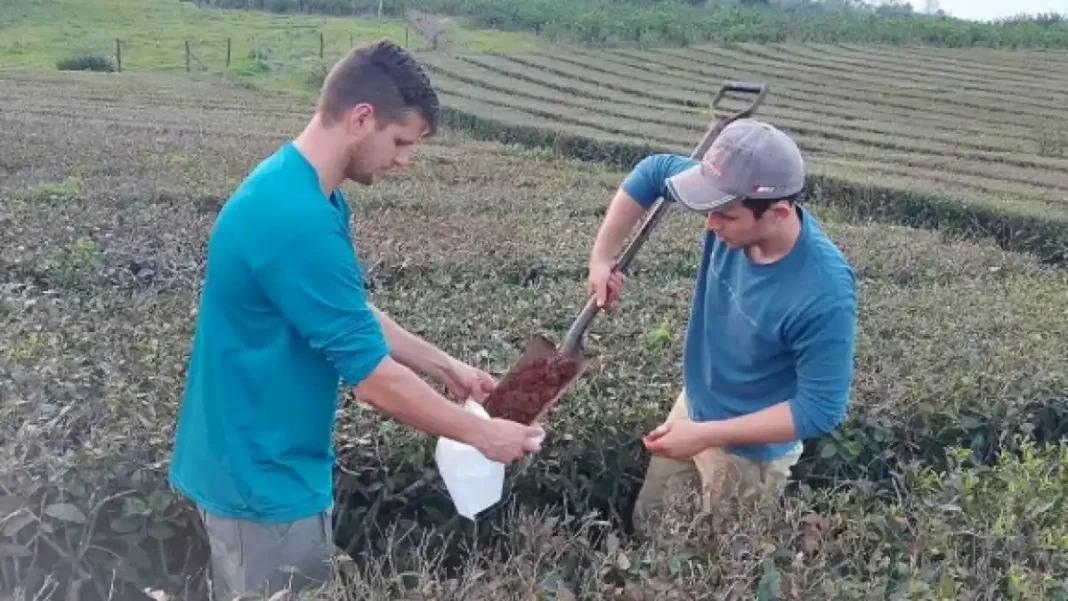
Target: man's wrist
[713,434]
[440,366]
[597,264]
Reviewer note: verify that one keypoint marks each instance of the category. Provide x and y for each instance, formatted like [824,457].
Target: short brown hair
[383,75]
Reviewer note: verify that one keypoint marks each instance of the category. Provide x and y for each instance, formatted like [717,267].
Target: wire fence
[263,51]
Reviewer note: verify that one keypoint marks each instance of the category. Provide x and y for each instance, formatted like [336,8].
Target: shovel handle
[749,87]
[574,335]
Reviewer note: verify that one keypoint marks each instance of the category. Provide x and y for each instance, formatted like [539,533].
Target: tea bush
[87,62]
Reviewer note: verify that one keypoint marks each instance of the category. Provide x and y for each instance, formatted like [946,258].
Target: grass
[267,49]
[957,348]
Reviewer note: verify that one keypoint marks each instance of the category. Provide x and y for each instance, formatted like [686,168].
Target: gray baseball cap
[749,159]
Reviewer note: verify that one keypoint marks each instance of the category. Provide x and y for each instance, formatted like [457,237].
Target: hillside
[981,126]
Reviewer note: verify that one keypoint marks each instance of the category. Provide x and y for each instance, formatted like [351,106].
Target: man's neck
[318,149]
[779,243]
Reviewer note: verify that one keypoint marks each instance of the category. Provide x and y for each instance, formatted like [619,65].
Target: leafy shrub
[87,62]
[969,531]
[55,191]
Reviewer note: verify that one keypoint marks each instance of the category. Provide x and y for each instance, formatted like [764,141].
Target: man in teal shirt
[768,356]
[283,319]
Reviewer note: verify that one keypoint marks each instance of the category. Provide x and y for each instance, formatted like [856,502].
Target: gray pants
[268,557]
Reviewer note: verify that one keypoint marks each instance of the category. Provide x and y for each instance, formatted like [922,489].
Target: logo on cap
[714,161]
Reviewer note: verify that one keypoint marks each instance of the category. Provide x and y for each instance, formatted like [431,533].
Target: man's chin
[366,179]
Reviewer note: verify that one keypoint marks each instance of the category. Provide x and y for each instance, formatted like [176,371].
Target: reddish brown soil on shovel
[523,395]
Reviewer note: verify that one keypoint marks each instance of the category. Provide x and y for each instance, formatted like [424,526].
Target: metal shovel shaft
[573,339]
[544,372]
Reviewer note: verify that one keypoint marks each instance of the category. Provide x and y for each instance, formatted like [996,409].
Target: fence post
[118,54]
[187,55]
[320,44]
[405,36]
[228,52]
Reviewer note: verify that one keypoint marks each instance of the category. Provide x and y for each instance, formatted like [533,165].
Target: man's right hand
[604,283]
[505,441]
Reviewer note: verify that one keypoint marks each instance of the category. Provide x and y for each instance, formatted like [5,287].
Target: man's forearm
[412,351]
[623,214]
[774,424]
[394,390]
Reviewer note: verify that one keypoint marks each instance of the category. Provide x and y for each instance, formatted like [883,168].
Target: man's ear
[781,209]
[361,119]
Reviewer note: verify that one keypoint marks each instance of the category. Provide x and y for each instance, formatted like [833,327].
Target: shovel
[543,372]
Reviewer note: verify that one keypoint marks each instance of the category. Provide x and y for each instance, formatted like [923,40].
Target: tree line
[685,22]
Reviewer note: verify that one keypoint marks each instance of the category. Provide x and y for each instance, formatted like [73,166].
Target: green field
[274,50]
[937,486]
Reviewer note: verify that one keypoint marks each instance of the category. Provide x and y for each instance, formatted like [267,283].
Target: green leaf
[158,501]
[135,506]
[770,586]
[160,532]
[10,504]
[17,522]
[854,447]
[828,450]
[126,524]
[65,512]
[947,585]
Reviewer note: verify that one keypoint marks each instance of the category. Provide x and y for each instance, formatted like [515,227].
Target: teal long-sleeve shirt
[282,320]
[759,335]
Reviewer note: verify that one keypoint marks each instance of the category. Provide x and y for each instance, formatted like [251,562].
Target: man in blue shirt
[283,320]
[769,346]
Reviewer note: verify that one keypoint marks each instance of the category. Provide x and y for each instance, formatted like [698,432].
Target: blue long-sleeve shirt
[283,319]
[760,334]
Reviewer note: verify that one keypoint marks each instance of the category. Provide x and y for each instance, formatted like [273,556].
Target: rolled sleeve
[825,348]
[316,283]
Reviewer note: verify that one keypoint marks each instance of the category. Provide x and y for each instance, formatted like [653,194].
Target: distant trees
[683,22]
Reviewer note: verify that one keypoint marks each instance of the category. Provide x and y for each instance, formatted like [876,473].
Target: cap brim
[695,191]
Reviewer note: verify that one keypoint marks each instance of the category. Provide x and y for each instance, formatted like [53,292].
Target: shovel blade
[535,382]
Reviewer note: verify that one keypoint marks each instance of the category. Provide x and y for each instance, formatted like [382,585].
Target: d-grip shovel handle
[749,87]
[573,339]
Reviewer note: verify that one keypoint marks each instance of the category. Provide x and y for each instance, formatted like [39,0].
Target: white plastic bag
[474,482]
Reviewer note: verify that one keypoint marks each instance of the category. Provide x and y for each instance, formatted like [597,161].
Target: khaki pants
[719,474]
[251,556]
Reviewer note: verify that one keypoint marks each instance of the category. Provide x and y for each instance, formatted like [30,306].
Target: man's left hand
[678,439]
[467,382]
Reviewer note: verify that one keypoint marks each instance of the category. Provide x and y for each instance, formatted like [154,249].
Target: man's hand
[467,382]
[505,441]
[395,390]
[679,439]
[604,283]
